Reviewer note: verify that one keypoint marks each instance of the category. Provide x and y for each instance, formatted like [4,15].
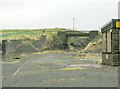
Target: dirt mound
[31,45]
[94,45]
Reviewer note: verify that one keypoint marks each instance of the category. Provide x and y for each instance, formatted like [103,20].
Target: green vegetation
[27,33]
[52,42]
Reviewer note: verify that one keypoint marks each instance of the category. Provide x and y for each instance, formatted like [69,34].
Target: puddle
[10,62]
[73,68]
[84,65]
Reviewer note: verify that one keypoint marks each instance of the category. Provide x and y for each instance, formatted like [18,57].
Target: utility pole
[73,23]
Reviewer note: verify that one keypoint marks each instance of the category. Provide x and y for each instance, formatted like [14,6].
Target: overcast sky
[29,14]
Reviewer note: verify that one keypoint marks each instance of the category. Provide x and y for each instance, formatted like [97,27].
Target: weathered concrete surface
[58,70]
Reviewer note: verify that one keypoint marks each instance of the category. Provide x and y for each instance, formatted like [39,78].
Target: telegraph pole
[73,23]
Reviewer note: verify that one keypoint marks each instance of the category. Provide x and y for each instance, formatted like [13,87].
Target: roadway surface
[57,70]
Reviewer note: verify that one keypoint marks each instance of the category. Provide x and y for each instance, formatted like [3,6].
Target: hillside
[33,40]
[27,33]
[47,39]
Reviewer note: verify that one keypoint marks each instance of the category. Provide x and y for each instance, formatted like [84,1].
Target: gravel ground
[55,69]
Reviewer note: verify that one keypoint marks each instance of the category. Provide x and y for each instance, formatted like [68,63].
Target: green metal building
[111,43]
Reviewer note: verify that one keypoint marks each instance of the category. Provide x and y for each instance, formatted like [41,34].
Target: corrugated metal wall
[119,41]
[109,48]
[104,42]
